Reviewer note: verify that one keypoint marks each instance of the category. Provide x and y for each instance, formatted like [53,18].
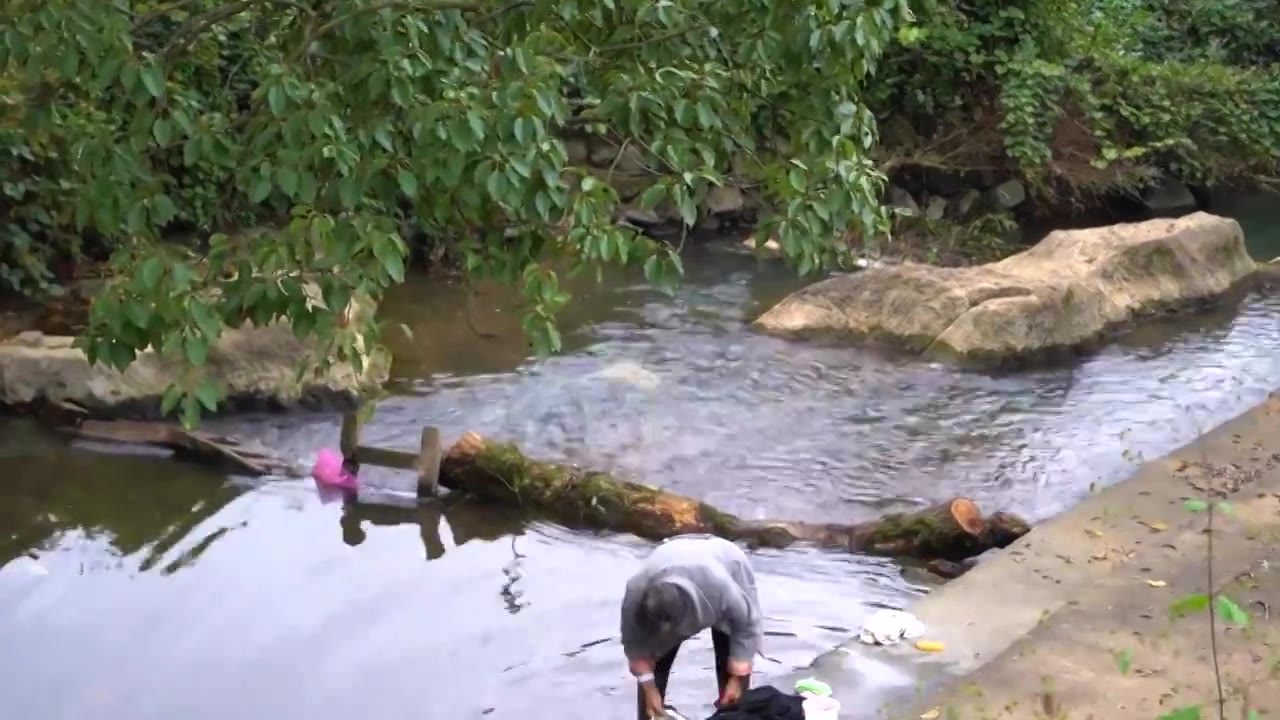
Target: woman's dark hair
[664,603]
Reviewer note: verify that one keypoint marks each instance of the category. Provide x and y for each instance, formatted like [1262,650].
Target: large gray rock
[1066,291]
[256,367]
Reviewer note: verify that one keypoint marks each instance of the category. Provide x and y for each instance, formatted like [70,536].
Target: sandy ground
[1074,620]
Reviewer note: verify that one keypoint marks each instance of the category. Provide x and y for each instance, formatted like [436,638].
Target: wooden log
[953,530]
[430,453]
[577,498]
[200,446]
[349,438]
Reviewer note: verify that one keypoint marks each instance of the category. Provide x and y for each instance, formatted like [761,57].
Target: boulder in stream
[257,367]
[1067,291]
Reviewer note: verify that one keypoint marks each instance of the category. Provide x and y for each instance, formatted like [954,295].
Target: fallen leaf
[1093,533]
[1157,583]
[1157,526]
[931,714]
[1099,555]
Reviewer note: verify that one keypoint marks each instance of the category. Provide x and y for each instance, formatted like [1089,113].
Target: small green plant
[1217,606]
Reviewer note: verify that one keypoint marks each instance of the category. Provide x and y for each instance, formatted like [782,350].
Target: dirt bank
[1040,628]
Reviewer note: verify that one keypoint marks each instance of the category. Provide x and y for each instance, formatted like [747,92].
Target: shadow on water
[137,588]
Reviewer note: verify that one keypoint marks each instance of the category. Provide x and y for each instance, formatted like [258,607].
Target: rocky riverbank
[935,194]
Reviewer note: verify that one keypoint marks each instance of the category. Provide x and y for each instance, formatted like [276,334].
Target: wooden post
[428,467]
[350,440]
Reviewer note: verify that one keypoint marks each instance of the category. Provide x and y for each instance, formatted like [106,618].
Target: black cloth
[662,671]
[763,703]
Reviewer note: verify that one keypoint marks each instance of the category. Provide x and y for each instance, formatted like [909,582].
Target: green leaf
[150,272]
[196,349]
[383,138]
[477,123]
[408,183]
[651,270]
[496,184]
[386,249]
[139,314]
[207,393]
[1195,505]
[190,412]
[190,152]
[276,100]
[706,117]
[170,399]
[162,131]
[653,196]
[1188,604]
[260,190]
[1124,660]
[208,322]
[287,179]
[796,178]
[1189,712]
[1231,612]
[688,210]
[163,210]
[306,187]
[152,76]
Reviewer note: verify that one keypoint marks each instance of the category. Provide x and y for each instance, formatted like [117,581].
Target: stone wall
[960,195]
[627,169]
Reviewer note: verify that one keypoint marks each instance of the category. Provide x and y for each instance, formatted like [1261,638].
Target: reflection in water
[137,505]
[463,519]
[167,591]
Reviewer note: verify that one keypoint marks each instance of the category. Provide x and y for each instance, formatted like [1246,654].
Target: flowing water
[136,588]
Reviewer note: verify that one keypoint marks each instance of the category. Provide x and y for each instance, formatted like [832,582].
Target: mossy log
[953,530]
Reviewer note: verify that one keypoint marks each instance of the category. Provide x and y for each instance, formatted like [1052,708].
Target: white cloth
[820,708]
[888,627]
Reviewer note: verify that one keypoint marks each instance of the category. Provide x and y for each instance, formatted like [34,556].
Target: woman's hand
[653,701]
[643,670]
[732,692]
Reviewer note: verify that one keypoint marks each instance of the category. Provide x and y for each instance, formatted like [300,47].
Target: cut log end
[967,516]
[469,445]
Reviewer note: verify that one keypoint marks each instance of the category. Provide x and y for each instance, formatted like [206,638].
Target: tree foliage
[334,125]
[1188,87]
[337,127]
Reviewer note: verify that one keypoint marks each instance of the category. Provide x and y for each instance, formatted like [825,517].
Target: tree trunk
[953,530]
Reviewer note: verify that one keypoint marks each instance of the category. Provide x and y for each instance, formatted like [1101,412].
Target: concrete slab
[1071,596]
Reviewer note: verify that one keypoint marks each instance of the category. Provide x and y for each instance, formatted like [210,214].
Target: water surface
[136,588]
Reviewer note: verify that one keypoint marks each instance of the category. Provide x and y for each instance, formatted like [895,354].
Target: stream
[136,588]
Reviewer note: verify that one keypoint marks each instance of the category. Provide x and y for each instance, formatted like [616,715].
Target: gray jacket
[718,576]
